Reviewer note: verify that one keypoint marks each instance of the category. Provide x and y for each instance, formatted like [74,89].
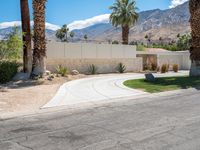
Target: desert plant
[92,69]
[63,71]
[175,67]
[158,69]
[164,68]
[121,68]
[8,69]
[154,66]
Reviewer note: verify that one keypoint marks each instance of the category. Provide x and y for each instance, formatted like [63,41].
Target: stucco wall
[103,65]
[180,58]
[80,56]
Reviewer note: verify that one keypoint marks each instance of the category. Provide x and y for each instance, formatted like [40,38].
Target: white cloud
[5,25]
[175,3]
[89,22]
[80,24]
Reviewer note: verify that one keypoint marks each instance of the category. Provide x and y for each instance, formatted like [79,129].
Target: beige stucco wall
[89,50]
[80,56]
[180,58]
[103,65]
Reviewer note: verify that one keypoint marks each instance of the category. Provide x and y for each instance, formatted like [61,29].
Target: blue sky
[61,12]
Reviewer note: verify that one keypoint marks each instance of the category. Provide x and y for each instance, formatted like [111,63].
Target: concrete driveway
[99,88]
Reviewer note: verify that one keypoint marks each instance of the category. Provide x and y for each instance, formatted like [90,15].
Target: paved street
[154,123]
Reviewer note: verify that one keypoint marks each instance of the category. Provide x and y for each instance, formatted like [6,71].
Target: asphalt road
[159,123]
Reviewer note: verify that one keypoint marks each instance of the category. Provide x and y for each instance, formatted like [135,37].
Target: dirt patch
[30,95]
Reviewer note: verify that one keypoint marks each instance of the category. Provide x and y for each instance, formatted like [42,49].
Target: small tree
[85,37]
[11,47]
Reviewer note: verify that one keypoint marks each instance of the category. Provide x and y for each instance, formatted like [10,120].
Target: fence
[80,55]
[180,58]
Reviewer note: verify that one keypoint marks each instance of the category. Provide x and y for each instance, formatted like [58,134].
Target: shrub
[175,67]
[92,69]
[121,68]
[153,66]
[115,42]
[8,69]
[158,69]
[63,71]
[164,68]
[140,47]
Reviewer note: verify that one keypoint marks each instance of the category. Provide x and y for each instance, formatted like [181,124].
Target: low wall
[103,65]
[180,58]
[80,56]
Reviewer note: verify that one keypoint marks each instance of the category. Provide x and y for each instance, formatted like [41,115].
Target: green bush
[175,67]
[164,68]
[63,71]
[121,68]
[115,42]
[140,47]
[8,69]
[11,48]
[92,69]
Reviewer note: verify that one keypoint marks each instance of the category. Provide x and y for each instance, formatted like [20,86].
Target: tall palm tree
[124,14]
[26,30]
[194,6]
[39,52]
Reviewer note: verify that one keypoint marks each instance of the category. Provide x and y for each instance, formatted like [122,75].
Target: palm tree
[194,6]
[62,33]
[39,52]
[26,33]
[124,14]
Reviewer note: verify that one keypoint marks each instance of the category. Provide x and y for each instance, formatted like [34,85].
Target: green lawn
[164,84]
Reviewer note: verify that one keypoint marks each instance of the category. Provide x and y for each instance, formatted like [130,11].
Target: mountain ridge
[155,23]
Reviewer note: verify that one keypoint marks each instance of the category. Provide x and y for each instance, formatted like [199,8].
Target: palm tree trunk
[194,6]
[39,53]
[125,34]
[26,30]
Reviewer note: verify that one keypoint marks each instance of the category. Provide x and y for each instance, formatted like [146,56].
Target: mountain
[155,23]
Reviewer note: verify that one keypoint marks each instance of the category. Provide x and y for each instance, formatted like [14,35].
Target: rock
[75,72]
[21,76]
[3,89]
[48,72]
[150,77]
[50,78]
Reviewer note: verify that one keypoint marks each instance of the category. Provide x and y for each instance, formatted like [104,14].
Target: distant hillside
[156,23]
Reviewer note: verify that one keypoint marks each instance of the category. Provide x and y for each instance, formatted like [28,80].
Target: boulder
[150,77]
[47,72]
[75,72]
